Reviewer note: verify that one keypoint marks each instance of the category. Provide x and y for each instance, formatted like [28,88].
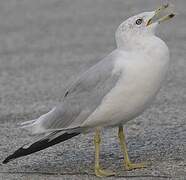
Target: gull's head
[141,25]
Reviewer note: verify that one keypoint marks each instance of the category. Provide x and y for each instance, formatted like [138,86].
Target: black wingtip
[18,153]
[13,156]
[38,146]
[5,161]
[8,159]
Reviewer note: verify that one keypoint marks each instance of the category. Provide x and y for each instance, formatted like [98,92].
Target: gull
[109,94]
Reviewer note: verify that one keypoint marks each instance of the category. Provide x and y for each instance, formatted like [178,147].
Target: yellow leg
[127,164]
[98,171]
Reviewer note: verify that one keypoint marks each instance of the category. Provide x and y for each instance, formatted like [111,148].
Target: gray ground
[44,44]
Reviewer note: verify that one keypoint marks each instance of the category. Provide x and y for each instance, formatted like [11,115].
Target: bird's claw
[103,173]
[130,166]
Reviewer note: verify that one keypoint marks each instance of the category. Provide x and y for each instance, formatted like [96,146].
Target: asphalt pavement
[44,45]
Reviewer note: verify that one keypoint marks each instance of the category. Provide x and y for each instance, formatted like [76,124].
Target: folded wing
[81,99]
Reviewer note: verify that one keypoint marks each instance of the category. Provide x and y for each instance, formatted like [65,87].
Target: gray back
[84,96]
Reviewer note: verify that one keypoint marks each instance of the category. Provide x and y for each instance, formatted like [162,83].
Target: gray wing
[82,98]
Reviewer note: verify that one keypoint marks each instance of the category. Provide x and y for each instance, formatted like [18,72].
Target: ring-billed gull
[115,90]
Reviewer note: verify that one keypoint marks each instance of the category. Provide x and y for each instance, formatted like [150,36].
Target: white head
[139,26]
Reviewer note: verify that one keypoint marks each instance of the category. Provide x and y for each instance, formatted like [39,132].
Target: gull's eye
[139,21]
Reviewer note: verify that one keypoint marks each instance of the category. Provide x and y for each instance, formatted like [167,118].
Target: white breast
[140,81]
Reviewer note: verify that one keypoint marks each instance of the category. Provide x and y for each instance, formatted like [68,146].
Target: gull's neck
[146,43]
[148,46]
[129,41]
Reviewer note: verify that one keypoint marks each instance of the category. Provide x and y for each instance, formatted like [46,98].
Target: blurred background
[44,45]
